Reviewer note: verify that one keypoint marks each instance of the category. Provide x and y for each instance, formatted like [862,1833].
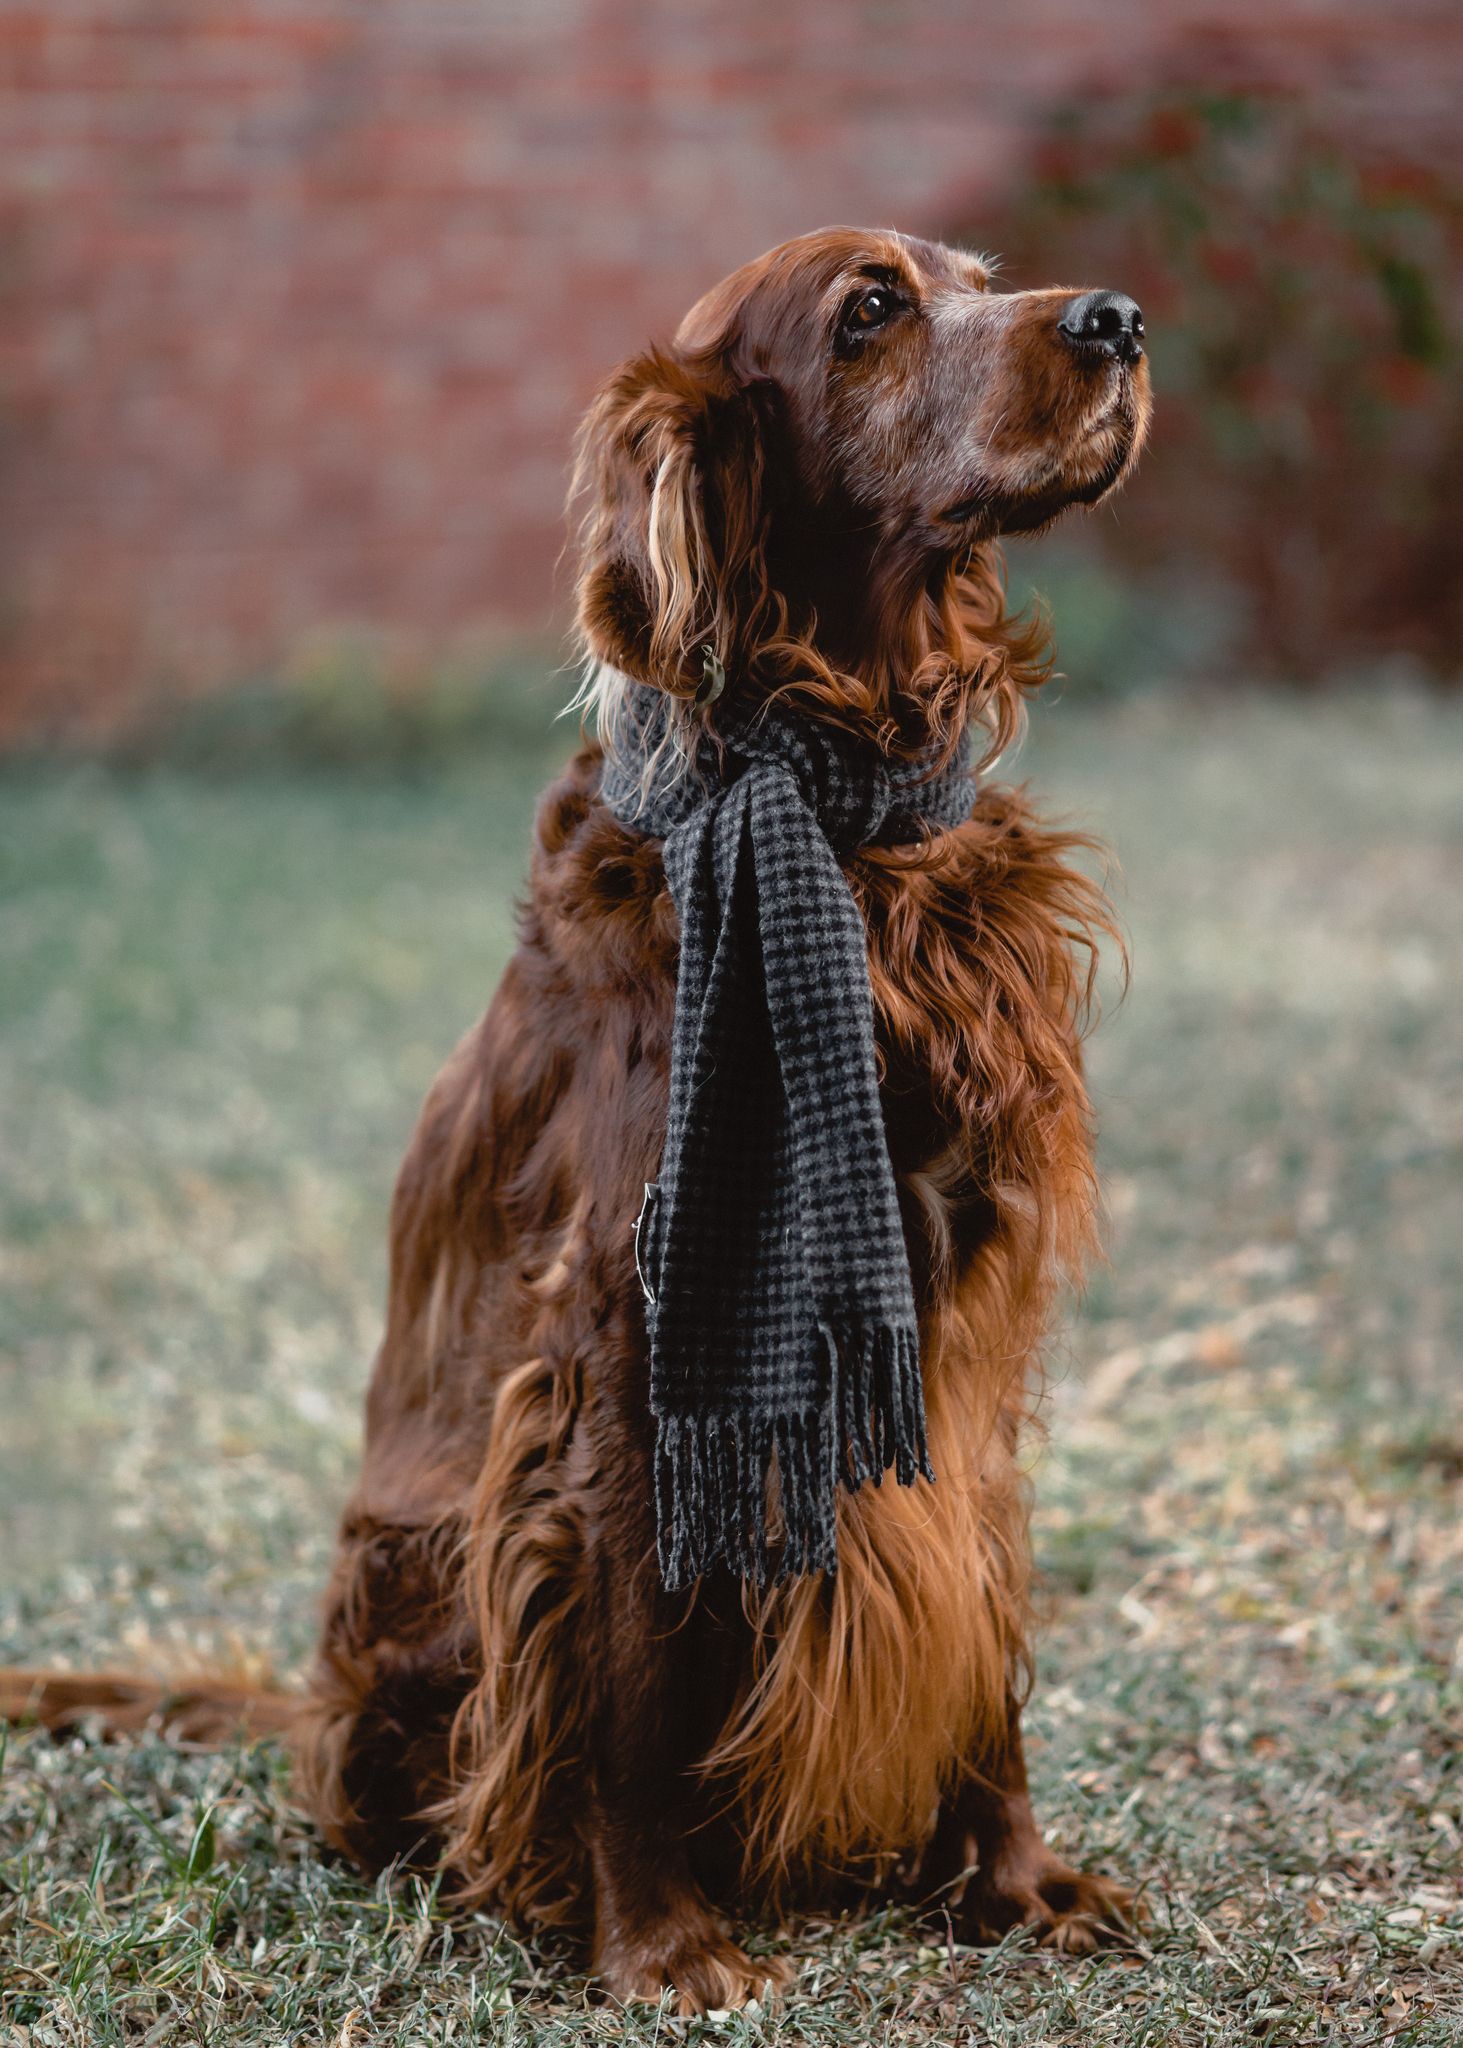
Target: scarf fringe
[712,1471]
[879,1395]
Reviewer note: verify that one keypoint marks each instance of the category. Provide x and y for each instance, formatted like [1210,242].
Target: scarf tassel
[880,1402]
[712,1471]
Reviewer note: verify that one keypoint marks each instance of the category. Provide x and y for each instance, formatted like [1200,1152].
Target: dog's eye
[871,309]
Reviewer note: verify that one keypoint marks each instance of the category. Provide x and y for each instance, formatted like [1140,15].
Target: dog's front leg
[655,1929]
[1017,1879]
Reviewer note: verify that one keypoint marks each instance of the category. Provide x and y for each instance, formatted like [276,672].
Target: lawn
[221,1001]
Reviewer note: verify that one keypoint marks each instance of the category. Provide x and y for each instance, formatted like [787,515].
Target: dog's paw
[1067,1909]
[699,1964]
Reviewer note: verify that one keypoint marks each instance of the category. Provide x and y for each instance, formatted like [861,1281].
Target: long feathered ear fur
[671,542]
[673,469]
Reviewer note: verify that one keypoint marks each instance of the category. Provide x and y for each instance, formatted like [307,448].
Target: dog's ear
[672,567]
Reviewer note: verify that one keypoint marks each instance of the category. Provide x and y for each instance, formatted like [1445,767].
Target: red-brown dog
[810,479]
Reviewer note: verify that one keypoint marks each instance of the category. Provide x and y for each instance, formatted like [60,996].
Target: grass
[222,1000]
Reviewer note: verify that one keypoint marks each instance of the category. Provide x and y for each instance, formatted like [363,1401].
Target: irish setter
[812,479]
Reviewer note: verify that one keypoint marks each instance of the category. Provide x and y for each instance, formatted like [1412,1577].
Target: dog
[797,502]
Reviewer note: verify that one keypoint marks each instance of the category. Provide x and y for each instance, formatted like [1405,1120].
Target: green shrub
[1299,291]
[343,705]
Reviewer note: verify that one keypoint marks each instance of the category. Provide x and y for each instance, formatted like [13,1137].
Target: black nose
[1107,321]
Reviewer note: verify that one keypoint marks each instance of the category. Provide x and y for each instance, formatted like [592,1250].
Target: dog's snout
[1109,322]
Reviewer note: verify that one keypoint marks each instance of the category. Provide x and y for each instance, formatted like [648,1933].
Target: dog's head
[804,486]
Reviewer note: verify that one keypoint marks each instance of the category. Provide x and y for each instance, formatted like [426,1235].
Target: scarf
[779,1304]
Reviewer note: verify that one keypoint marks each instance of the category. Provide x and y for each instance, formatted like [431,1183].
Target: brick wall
[301,298]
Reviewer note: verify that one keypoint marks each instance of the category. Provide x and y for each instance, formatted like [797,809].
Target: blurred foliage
[343,703]
[1301,287]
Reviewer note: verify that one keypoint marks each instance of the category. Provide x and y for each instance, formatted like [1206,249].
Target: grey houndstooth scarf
[778,1295]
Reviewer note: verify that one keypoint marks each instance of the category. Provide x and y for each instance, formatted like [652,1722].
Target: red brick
[299,301]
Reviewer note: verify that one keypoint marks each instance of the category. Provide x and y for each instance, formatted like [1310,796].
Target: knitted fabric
[780,1310]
